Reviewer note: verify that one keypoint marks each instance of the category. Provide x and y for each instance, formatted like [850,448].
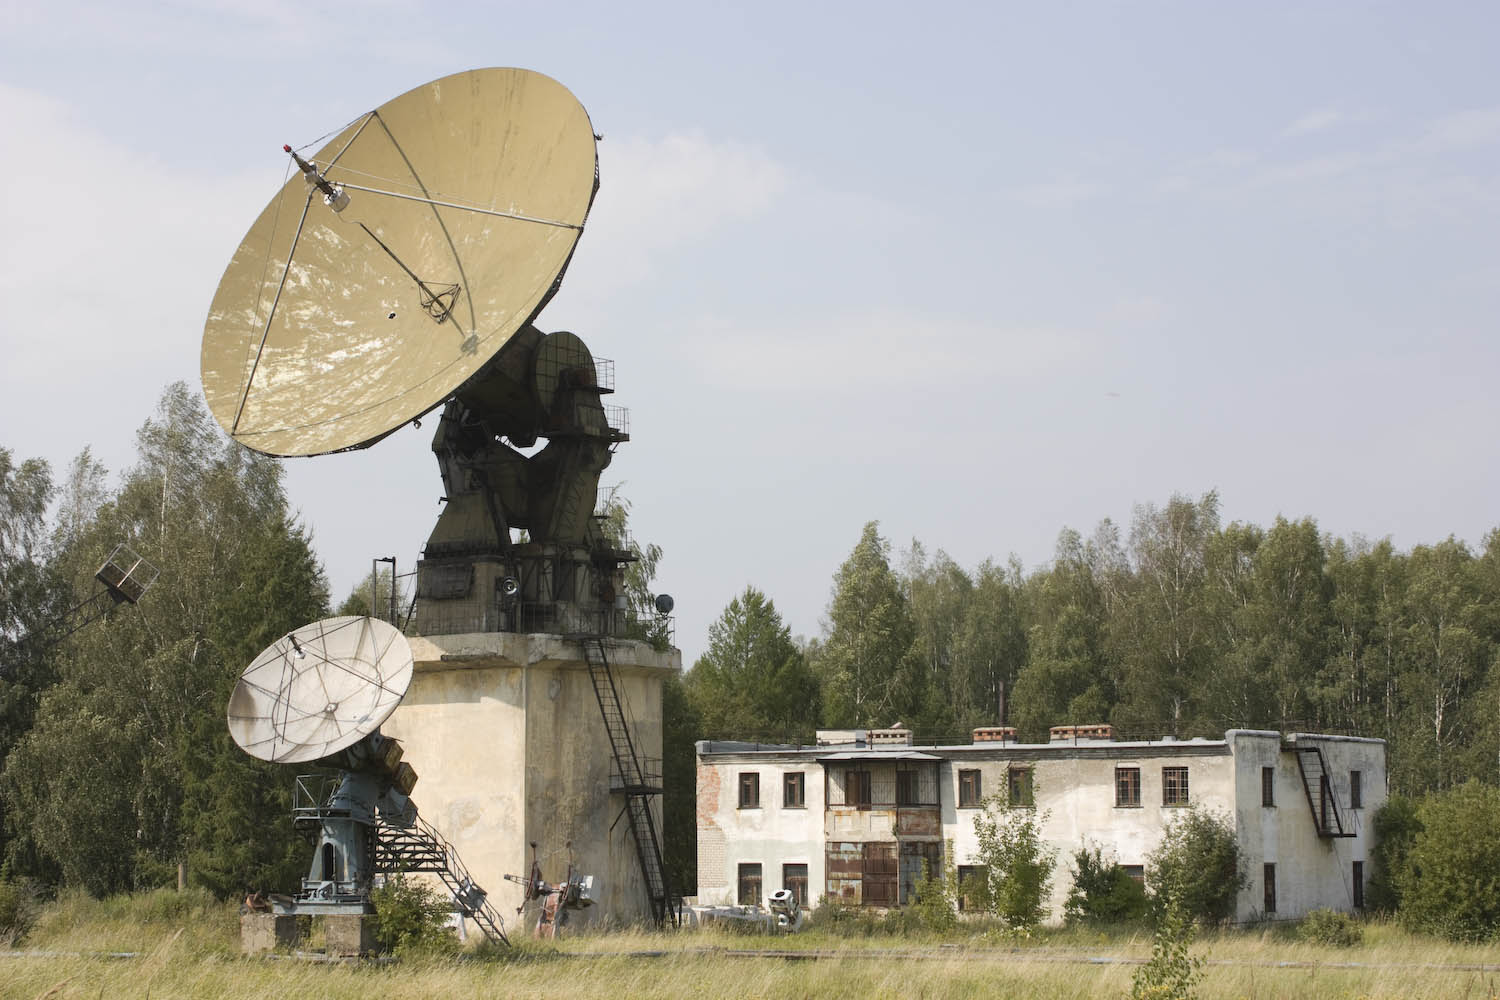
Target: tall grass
[187,946]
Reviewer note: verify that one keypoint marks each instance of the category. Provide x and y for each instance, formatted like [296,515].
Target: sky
[978,272]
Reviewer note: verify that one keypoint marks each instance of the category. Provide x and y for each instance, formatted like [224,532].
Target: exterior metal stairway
[634,782]
[1319,788]
[420,848]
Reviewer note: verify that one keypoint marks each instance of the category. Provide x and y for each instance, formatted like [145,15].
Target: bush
[1018,866]
[1331,928]
[18,910]
[1103,893]
[1197,865]
[1449,881]
[935,907]
[1396,826]
[411,915]
[1171,972]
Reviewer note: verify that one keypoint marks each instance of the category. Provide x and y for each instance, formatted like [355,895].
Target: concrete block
[262,932]
[349,934]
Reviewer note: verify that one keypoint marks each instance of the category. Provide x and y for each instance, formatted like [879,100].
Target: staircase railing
[420,848]
[633,780]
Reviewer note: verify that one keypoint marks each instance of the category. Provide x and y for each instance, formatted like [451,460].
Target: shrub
[1197,865]
[936,904]
[1396,826]
[1018,866]
[1103,893]
[411,915]
[1171,972]
[1449,882]
[1331,928]
[18,910]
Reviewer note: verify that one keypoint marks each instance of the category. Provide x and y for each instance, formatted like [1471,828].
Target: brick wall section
[712,862]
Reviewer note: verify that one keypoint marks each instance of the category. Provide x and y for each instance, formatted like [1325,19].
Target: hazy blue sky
[978,272]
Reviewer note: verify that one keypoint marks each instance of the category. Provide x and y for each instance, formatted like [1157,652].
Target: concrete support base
[262,932]
[349,934]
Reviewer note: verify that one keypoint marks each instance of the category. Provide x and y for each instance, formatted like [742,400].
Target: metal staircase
[634,782]
[420,848]
[1319,788]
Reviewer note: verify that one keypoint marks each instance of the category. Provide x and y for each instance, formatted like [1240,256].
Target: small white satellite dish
[320,689]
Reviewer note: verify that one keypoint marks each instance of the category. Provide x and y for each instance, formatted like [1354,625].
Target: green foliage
[753,682]
[1172,971]
[1331,929]
[411,916]
[866,664]
[127,770]
[1017,863]
[1103,893]
[1196,867]
[680,729]
[18,911]
[1396,827]
[935,907]
[1450,879]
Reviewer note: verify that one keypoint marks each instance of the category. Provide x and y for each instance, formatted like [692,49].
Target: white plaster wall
[1311,872]
[772,835]
[1076,798]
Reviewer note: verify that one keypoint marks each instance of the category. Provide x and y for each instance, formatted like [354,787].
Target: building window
[1137,872]
[1356,793]
[1268,786]
[794,878]
[906,788]
[1174,786]
[1127,787]
[971,886]
[1020,787]
[750,790]
[1268,874]
[1359,883]
[857,788]
[968,789]
[794,791]
[749,885]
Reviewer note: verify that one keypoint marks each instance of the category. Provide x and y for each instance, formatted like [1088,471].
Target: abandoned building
[855,817]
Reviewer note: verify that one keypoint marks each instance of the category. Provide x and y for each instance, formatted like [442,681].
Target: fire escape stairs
[1318,785]
[420,848]
[638,790]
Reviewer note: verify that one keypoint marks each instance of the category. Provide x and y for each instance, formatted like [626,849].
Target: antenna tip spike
[285,148]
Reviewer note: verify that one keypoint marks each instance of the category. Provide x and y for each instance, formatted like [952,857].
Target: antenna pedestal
[567,577]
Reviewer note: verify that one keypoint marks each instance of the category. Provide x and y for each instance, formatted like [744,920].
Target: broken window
[1268,786]
[794,791]
[972,886]
[749,885]
[857,788]
[906,788]
[1020,787]
[750,790]
[968,789]
[1174,786]
[1127,787]
[794,878]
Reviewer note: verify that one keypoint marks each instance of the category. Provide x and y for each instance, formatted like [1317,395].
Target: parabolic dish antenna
[320,689]
[396,262]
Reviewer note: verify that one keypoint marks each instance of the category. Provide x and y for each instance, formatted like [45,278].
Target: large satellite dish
[397,261]
[320,689]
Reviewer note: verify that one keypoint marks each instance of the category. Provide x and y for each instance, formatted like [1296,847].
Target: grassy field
[187,946]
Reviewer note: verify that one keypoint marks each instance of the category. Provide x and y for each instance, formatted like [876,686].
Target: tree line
[1179,625]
